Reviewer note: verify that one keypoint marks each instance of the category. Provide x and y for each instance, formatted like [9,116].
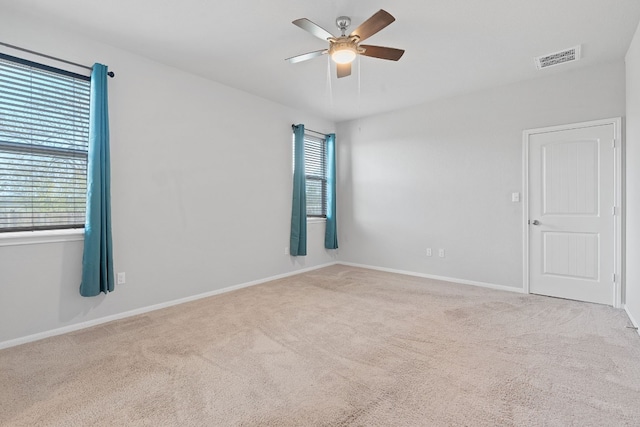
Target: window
[44,135]
[315,166]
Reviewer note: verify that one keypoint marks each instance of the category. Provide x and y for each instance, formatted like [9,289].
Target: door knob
[535,222]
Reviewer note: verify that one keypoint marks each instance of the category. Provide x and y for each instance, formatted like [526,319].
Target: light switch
[515,197]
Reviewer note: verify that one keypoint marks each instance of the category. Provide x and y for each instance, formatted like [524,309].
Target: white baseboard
[142,310]
[442,278]
[633,320]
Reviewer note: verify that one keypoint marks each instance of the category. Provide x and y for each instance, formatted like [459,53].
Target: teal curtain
[97,259]
[298,237]
[331,232]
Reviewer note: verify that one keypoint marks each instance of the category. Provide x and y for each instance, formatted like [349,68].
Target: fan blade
[381,52]
[306,56]
[344,70]
[378,21]
[313,28]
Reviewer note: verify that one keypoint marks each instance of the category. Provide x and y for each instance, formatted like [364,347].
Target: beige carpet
[339,346]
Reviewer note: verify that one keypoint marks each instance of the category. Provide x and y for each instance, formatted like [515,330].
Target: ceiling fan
[344,49]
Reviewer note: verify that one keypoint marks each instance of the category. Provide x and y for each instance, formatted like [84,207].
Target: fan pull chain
[359,83]
[359,93]
[329,88]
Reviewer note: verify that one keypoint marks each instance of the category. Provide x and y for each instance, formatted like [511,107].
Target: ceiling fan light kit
[344,49]
[343,55]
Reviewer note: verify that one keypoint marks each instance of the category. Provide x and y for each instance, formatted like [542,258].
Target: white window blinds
[44,132]
[315,163]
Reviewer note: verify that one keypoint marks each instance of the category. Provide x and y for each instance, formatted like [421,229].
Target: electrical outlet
[121,278]
[286,250]
[441,253]
[428,251]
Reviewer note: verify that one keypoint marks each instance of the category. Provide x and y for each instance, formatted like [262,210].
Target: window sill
[39,237]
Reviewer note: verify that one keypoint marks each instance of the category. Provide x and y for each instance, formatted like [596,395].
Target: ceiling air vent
[557,58]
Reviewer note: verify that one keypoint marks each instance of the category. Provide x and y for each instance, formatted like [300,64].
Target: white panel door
[571,218]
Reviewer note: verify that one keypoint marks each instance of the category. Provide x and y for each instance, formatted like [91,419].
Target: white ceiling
[452,46]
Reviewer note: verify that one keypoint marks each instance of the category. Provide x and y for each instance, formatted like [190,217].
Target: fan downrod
[343,22]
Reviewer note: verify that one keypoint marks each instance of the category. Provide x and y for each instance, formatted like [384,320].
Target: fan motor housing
[342,43]
[345,42]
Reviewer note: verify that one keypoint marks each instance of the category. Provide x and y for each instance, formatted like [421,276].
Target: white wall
[633,179]
[201,188]
[441,175]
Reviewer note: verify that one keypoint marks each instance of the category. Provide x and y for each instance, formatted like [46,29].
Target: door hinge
[613,277]
[613,210]
[613,143]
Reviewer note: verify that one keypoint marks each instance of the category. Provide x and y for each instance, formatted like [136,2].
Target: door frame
[617,194]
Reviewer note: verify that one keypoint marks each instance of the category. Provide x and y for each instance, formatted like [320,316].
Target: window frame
[41,233]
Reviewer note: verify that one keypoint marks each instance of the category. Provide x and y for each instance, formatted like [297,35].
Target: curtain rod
[110,73]
[311,130]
